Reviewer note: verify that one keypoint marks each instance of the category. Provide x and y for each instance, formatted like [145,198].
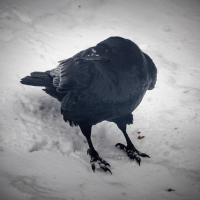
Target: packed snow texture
[42,158]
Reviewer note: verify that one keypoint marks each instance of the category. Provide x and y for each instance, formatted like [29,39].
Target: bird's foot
[132,152]
[97,160]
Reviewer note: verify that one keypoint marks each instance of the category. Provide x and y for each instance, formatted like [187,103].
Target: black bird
[104,82]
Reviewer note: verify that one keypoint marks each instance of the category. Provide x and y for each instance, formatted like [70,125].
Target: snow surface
[42,158]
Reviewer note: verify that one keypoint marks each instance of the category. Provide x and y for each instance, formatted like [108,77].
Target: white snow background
[42,158]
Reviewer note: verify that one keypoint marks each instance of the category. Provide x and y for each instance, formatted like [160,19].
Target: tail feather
[38,79]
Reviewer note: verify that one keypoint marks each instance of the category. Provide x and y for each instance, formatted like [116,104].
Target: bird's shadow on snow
[40,117]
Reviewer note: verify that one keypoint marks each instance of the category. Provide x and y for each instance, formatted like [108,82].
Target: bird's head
[122,53]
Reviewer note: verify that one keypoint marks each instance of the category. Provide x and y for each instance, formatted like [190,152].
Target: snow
[42,158]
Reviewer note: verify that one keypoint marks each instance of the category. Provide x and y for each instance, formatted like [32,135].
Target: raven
[104,82]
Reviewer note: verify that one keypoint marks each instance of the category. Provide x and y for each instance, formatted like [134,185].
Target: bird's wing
[89,84]
[74,75]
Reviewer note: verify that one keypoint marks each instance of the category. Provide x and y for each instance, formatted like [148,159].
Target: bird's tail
[38,79]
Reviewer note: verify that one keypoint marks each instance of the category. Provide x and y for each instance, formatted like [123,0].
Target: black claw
[121,146]
[132,157]
[93,167]
[109,171]
[105,163]
[106,169]
[144,155]
[88,152]
[132,153]
[96,159]
[138,160]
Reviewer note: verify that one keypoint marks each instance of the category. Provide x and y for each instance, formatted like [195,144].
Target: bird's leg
[130,149]
[95,158]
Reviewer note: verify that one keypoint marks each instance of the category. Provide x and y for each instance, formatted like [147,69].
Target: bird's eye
[103,49]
